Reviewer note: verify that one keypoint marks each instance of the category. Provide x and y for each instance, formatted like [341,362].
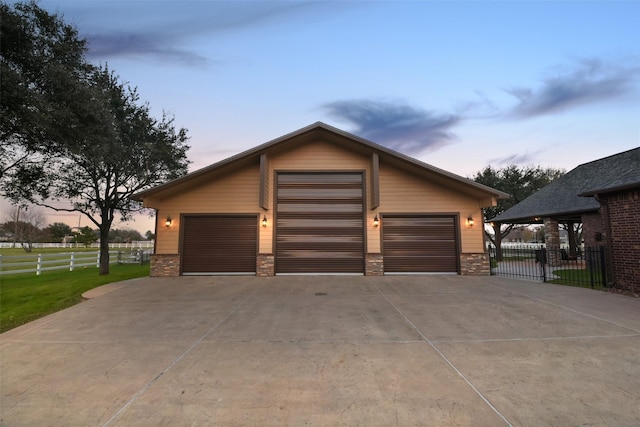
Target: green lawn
[579,278]
[19,251]
[26,297]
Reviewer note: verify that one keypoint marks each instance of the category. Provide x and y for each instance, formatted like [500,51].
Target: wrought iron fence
[586,267]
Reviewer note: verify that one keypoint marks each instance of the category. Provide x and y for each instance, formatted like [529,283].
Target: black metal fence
[587,267]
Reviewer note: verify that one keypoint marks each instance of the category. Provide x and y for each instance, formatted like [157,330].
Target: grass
[19,251]
[579,278]
[26,297]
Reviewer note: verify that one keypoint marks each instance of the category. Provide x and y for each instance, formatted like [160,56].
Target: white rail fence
[67,260]
[143,244]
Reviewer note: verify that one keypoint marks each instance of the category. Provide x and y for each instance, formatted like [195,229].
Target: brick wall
[552,241]
[165,265]
[624,218]
[593,229]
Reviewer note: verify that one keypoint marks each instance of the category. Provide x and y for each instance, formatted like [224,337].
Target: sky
[457,84]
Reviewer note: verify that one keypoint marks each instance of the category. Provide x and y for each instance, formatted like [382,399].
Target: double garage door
[319,229]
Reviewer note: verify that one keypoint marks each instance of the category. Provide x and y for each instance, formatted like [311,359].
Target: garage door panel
[319,266]
[419,244]
[417,251]
[422,265]
[219,244]
[320,223]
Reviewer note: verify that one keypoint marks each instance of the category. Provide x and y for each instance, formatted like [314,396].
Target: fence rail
[143,244]
[67,260]
[586,267]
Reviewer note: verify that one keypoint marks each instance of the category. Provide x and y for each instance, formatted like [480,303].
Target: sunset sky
[459,85]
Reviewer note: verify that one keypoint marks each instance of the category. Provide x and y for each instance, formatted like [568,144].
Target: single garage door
[419,244]
[320,223]
[219,244]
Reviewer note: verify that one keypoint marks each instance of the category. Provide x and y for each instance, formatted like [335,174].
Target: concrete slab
[552,382]
[328,350]
[306,383]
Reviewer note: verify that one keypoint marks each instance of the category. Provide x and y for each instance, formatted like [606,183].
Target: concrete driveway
[325,351]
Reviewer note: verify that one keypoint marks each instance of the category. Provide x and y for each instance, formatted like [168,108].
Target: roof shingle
[565,196]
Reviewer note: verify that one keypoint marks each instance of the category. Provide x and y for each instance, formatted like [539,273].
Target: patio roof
[567,198]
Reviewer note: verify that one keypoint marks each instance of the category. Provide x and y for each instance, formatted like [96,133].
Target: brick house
[319,201]
[604,195]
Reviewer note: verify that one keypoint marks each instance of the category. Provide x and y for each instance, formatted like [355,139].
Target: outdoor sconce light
[167,223]
[376,221]
[470,221]
[264,221]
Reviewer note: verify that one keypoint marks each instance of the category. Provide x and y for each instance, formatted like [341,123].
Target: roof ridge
[608,157]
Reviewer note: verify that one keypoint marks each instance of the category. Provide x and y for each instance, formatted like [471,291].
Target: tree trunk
[498,241]
[104,250]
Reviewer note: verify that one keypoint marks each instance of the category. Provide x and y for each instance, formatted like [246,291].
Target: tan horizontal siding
[401,192]
[318,155]
[237,192]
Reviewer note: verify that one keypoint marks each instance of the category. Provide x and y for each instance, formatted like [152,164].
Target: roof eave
[369,144]
[591,193]
[523,219]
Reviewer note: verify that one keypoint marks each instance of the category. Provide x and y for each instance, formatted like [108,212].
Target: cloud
[140,46]
[395,125]
[589,81]
[162,31]
[515,159]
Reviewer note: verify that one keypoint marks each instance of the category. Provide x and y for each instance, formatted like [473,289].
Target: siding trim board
[420,243]
[264,181]
[375,181]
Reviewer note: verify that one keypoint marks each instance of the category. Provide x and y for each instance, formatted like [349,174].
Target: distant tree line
[24,234]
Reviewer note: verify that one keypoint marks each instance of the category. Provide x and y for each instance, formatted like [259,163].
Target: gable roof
[565,197]
[331,134]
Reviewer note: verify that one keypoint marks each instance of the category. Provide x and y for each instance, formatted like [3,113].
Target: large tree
[520,183]
[83,137]
[42,69]
[122,153]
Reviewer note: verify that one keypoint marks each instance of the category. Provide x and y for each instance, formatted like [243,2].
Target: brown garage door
[219,244]
[320,223]
[419,244]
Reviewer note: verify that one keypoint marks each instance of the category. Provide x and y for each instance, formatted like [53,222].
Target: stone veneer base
[168,265]
[474,264]
[374,265]
[165,265]
[265,265]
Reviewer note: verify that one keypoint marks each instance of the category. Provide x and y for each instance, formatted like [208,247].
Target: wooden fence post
[71,262]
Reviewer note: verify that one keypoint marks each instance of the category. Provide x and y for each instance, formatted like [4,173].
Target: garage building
[319,201]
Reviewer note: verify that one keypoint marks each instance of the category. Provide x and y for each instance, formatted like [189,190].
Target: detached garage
[319,201]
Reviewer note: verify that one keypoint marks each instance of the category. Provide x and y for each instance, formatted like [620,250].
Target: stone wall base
[168,265]
[265,265]
[474,264]
[374,265]
[165,265]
